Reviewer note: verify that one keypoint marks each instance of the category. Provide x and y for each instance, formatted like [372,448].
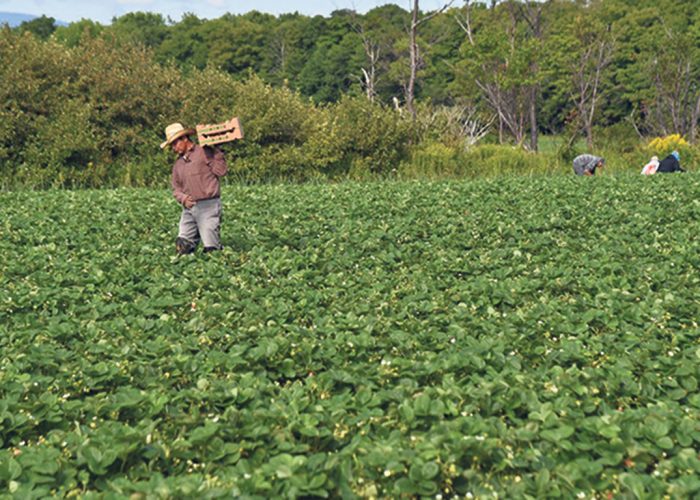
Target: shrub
[432,160]
[130,97]
[621,138]
[93,115]
[663,146]
[288,137]
[373,138]
[35,78]
[277,122]
[75,116]
[64,149]
[632,159]
[437,160]
[207,96]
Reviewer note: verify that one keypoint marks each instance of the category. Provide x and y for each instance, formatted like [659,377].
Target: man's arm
[217,161]
[182,197]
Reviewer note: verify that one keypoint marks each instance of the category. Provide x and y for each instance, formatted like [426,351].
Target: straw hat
[175,131]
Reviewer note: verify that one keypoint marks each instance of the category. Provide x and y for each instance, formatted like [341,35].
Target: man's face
[180,145]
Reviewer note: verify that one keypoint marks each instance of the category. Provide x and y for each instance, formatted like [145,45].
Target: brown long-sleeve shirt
[197,172]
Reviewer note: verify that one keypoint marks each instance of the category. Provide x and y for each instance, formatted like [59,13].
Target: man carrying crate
[195,183]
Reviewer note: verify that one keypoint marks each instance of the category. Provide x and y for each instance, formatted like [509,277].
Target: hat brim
[187,131]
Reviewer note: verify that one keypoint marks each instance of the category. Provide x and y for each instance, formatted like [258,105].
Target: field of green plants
[511,338]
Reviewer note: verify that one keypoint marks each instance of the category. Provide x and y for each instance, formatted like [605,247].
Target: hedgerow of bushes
[93,115]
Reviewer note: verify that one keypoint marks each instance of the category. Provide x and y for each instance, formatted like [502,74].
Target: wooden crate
[208,134]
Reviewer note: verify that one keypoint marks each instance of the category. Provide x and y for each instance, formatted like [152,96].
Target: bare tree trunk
[413,51]
[532,13]
[676,106]
[466,22]
[694,121]
[587,75]
[280,55]
[509,108]
[534,93]
[414,54]
[602,61]
[589,135]
[515,105]
[369,77]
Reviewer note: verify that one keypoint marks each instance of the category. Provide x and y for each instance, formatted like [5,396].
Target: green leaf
[421,405]
[656,428]
[665,443]
[558,434]
[430,470]
[407,412]
[405,486]
[415,473]
[542,481]
[317,481]
[610,431]
[690,383]
[9,469]
[634,483]
[97,460]
[202,434]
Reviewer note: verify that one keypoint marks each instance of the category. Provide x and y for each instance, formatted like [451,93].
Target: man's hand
[189,202]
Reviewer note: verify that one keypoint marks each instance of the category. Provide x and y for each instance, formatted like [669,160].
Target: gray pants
[201,222]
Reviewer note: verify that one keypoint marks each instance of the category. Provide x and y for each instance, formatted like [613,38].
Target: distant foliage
[665,145]
[324,97]
[435,160]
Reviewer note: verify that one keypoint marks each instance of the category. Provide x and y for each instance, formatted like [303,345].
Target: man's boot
[184,246]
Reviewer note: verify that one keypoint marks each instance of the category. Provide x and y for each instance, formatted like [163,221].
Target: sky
[104,10]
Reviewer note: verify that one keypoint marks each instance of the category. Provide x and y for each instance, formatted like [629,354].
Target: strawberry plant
[521,337]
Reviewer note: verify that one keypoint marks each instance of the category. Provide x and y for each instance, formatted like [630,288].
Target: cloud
[216,3]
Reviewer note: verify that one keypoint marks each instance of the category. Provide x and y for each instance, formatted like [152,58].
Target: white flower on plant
[550,387]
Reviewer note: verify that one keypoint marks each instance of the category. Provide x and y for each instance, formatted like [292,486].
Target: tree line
[502,72]
[537,66]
